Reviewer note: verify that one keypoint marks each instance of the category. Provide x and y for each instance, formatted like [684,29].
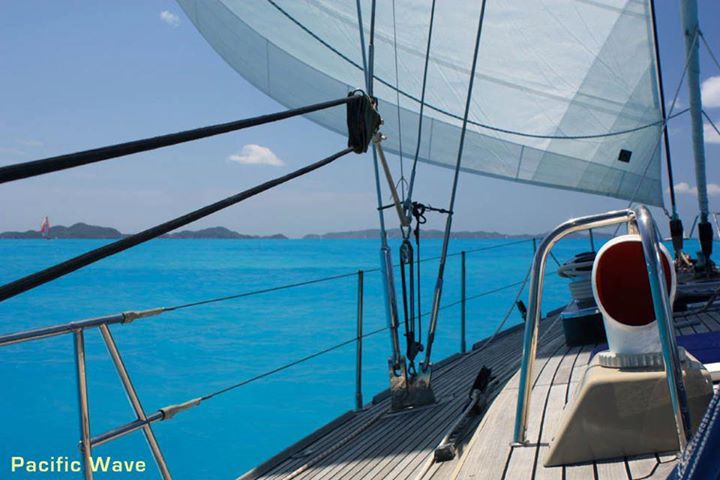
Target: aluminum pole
[85,445]
[135,401]
[691,28]
[463,344]
[664,316]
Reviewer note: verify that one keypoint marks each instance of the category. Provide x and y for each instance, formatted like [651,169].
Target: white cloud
[709,133]
[710,89]
[713,189]
[256,155]
[684,187]
[678,106]
[29,142]
[170,18]
[13,151]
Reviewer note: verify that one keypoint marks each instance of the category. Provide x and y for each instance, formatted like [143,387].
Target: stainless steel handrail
[663,313]
[70,327]
[642,220]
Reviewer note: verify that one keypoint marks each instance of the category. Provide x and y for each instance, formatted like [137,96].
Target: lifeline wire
[335,347]
[288,365]
[132,315]
[324,279]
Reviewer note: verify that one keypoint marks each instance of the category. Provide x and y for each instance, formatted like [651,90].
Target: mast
[689,14]
[676,226]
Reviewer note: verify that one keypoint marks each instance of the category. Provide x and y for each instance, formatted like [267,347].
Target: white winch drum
[622,292]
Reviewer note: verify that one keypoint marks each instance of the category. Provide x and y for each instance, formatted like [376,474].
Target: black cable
[288,365]
[31,281]
[490,292]
[661,91]
[53,164]
[422,104]
[335,347]
[319,280]
[448,221]
[259,292]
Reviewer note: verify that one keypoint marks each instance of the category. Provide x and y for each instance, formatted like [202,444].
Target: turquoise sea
[185,354]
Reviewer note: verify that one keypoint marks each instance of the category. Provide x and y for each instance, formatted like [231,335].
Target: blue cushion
[703,346]
[699,461]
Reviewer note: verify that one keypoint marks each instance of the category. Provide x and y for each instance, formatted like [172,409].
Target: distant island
[85,231]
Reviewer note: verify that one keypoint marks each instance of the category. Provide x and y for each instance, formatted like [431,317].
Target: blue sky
[76,75]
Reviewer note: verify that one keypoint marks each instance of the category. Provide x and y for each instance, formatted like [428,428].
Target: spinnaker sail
[565,93]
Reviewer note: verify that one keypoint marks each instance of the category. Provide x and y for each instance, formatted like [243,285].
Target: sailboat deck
[378,444]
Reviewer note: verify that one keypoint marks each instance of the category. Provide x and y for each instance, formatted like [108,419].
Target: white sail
[546,68]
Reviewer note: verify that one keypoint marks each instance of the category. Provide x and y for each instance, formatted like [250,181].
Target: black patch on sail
[625,155]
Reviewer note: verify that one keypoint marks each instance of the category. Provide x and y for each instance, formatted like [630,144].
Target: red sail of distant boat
[45,228]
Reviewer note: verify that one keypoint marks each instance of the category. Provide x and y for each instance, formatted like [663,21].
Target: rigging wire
[661,91]
[712,124]
[455,116]
[422,103]
[709,50]
[388,282]
[397,100]
[448,222]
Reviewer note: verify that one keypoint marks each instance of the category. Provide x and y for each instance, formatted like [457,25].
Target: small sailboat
[45,228]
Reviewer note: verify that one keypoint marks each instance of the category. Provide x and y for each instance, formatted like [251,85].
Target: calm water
[186,354]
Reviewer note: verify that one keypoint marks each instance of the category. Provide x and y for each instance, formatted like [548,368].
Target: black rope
[288,365]
[31,281]
[53,164]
